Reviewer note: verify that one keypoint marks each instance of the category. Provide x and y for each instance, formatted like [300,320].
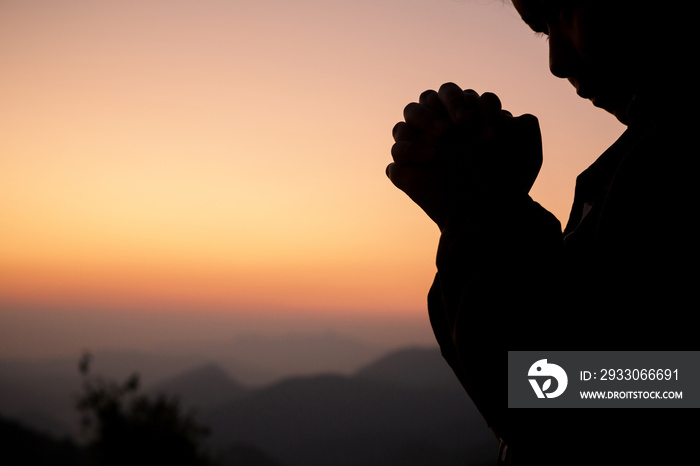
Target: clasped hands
[457,147]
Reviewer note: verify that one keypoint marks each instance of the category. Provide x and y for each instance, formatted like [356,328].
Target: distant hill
[371,418]
[286,355]
[20,446]
[202,387]
[412,368]
[42,398]
[402,408]
[42,393]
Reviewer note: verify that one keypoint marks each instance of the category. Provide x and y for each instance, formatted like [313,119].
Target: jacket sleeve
[495,272]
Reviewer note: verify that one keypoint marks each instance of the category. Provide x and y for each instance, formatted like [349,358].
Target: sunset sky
[215,166]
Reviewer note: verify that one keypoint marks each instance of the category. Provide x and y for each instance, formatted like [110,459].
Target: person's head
[610,50]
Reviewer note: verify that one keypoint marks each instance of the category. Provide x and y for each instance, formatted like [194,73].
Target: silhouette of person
[622,273]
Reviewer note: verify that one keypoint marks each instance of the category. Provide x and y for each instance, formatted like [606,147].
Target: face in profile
[601,46]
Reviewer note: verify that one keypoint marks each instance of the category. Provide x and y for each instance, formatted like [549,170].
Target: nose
[562,55]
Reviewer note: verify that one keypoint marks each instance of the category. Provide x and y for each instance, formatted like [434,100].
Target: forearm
[495,254]
[494,281]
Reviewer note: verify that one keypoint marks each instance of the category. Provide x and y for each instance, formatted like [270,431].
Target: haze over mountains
[302,399]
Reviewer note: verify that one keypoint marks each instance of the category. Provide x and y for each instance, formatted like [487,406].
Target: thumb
[528,153]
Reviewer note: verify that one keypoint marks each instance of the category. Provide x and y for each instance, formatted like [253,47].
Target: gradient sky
[189,160]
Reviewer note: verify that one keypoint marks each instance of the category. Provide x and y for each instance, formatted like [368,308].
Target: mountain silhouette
[38,394]
[20,446]
[412,368]
[399,408]
[202,387]
[361,419]
[286,355]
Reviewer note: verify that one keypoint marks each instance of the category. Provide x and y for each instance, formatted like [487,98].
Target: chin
[621,116]
[617,109]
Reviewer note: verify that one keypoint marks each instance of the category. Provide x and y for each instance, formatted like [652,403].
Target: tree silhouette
[127,427]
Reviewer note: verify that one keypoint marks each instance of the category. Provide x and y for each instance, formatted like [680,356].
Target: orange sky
[227,156]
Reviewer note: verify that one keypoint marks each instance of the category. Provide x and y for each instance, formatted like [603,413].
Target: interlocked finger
[412,152]
[490,106]
[423,117]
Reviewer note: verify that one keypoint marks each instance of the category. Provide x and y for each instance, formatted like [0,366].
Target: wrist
[485,206]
